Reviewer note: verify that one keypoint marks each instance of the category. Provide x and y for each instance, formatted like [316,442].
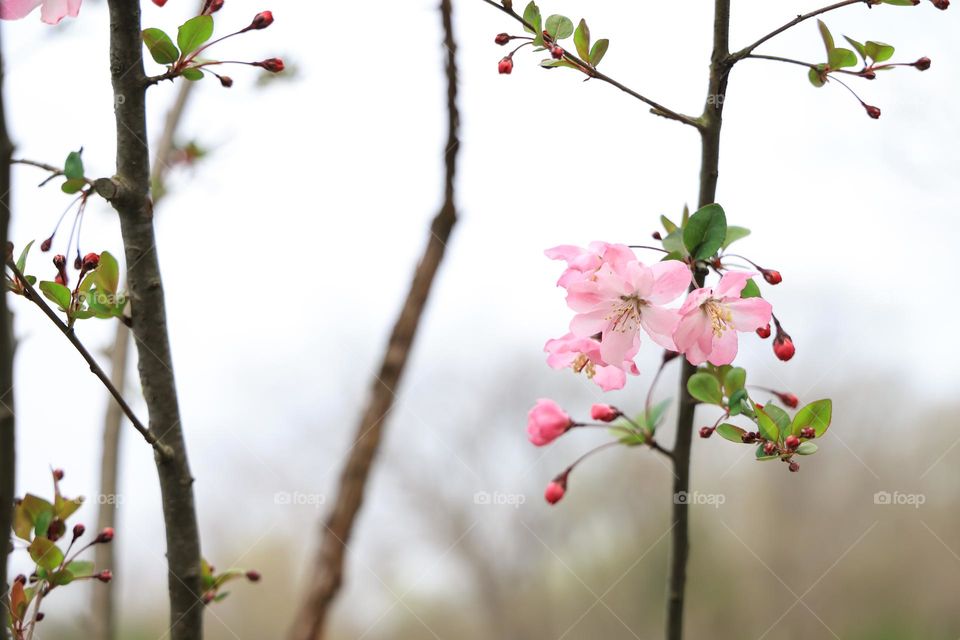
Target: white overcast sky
[286,254]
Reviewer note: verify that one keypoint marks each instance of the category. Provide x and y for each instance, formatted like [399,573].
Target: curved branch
[589,70]
[743,53]
[31,294]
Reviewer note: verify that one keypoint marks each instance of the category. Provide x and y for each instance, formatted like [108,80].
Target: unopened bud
[922,64]
[262,20]
[783,347]
[78,530]
[502,38]
[764,332]
[792,442]
[789,400]
[273,65]
[873,112]
[770,448]
[253,576]
[46,244]
[506,66]
[794,467]
[105,576]
[104,536]
[226,81]
[771,276]
[556,52]
[706,432]
[604,413]
[58,474]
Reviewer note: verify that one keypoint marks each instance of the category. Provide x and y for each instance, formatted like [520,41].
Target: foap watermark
[115,499]
[299,499]
[499,498]
[695,497]
[898,498]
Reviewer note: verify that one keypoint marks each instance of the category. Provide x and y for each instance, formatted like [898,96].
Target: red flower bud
[555,491]
[22,579]
[60,280]
[792,442]
[91,261]
[105,576]
[869,75]
[771,276]
[770,448]
[506,66]
[78,530]
[873,112]
[226,81]
[46,244]
[557,52]
[764,332]
[58,474]
[60,261]
[783,347]
[213,6]
[273,65]
[604,413]
[40,616]
[808,432]
[789,399]
[262,20]
[77,262]
[706,432]
[159,3]
[105,536]
[502,38]
[657,235]
[941,4]
[794,467]
[253,576]
[922,64]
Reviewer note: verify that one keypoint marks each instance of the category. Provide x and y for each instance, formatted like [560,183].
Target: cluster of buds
[783,348]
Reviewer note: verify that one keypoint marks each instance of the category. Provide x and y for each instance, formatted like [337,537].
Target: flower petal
[724,348]
[749,314]
[732,283]
[610,378]
[671,279]
[615,345]
[16,9]
[660,323]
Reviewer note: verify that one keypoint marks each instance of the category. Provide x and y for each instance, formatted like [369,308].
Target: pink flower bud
[273,65]
[262,20]
[941,4]
[873,112]
[105,536]
[771,276]
[78,530]
[604,413]
[783,347]
[789,400]
[794,467]
[253,576]
[506,66]
[58,474]
[792,442]
[706,432]
[46,244]
[546,422]
[105,576]
[159,3]
[764,332]
[556,490]
[556,52]
[91,261]
[770,448]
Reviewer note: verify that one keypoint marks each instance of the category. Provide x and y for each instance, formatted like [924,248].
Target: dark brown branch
[589,70]
[33,296]
[7,432]
[743,53]
[329,565]
[102,606]
[132,202]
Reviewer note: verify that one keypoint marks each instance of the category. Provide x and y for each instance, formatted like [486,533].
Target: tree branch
[7,432]
[328,572]
[132,202]
[31,294]
[589,70]
[743,53]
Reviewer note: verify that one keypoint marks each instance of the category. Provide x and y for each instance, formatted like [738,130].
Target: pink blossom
[619,300]
[711,317]
[51,11]
[582,263]
[583,355]
[546,422]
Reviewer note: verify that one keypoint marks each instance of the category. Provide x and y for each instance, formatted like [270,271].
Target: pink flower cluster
[617,299]
[51,11]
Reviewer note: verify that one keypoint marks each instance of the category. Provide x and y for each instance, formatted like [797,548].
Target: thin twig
[34,297]
[743,53]
[591,71]
[809,65]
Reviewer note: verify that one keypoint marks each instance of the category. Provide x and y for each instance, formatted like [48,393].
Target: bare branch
[743,53]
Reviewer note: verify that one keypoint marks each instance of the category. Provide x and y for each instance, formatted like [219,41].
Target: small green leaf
[840,58]
[42,523]
[56,293]
[858,47]
[767,427]
[192,74]
[705,232]
[738,401]
[734,381]
[734,234]
[705,388]
[107,276]
[751,290]
[668,225]
[581,39]
[22,260]
[827,36]
[193,33]
[160,46]
[730,432]
[807,448]
[73,167]
[531,15]
[559,27]
[631,439]
[879,51]
[673,243]
[45,553]
[817,75]
[550,63]
[780,417]
[598,51]
[73,186]
[816,414]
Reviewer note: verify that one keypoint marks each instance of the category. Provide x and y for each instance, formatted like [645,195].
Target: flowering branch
[328,571]
[31,294]
[591,71]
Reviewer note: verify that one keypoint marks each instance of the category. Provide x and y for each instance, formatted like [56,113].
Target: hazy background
[287,252]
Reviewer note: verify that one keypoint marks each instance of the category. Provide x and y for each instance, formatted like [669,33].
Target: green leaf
[767,427]
[668,225]
[581,39]
[65,507]
[107,275]
[737,402]
[22,260]
[652,420]
[42,523]
[531,15]
[879,51]
[73,167]
[734,381]
[807,449]
[730,432]
[559,27]
[827,36]
[705,232]
[80,568]
[73,185]
[631,439]
[598,51]
[192,74]
[550,63]
[817,76]
[763,457]
[193,33]
[705,388]
[734,234]
[858,47]
[160,46]
[780,417]
[674,243]
[56,293]
[840,58]
[816,414]
[46,554]
[751,290]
